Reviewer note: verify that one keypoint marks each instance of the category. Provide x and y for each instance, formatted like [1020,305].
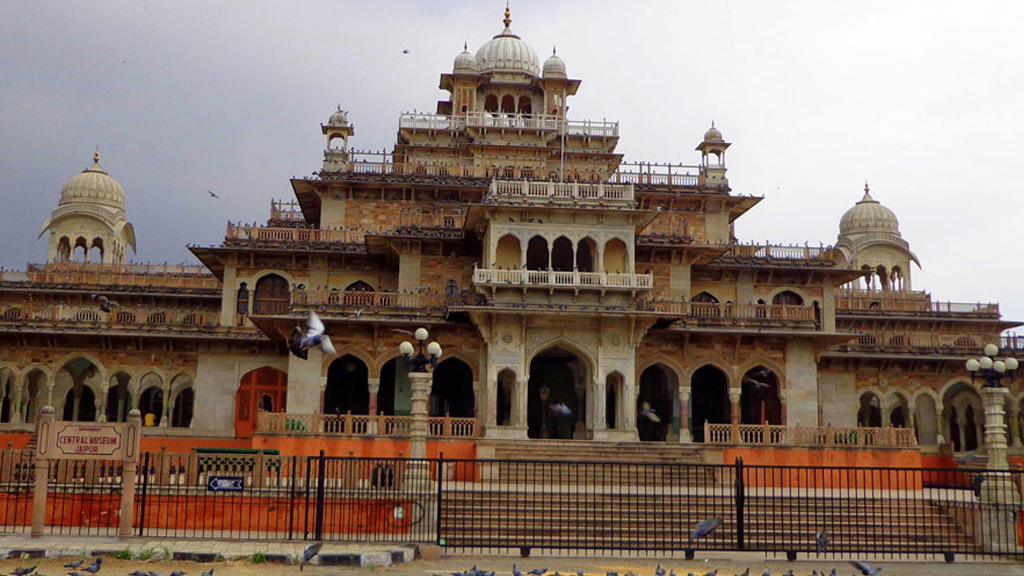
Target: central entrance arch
[709,390]
[556,394]
[658,392]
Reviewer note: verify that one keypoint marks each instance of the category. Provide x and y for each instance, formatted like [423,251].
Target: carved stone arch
[951,383]
[74,356]
[472,361]
[144,373]
[176,387]
[669,363]
[588,359]
[779,371]
[697,363]
[807,298]
[873,390]
[267,272]
[928,391]
[326,361]
[42,368]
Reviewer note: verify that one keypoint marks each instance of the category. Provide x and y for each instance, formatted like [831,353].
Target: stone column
[684,415]
[374,386]
[16,408]
[734,405]
[996,520]
[492,391]
[600,396]
[166,408]
[420,382]
[101,403]
[961,426]
[994,400]
[519,401]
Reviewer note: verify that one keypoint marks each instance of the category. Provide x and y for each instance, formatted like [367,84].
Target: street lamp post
[993,395]
[420,380]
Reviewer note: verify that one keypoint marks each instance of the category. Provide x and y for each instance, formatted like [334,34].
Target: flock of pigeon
[862,567]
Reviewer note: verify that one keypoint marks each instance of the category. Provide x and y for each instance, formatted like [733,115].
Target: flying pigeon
[647,412]
[212,195]
[23,571]
[312,550]
[706,527]
[561,409]
[300,343]
[105,304]
[821,538]
[406,51]
[865,568]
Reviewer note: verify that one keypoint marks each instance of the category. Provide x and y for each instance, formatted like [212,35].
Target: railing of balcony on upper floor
[335,301]
[286,213]
[243,235]
[1012,342]
[666,229]
[766,252]
[858,300]
[653,174]
[590,128]
[438,222]
[889,342]
[728,313]
[178,276]
[122,317]
[503,278]
[574,193]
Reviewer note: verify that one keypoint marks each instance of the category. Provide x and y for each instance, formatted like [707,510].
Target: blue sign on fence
[225,484]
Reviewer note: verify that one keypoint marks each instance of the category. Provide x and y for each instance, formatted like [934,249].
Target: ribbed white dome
[338,118]
[93,185]
[507,53]
[554,67]
[465,63]
[713,134]
[868,216]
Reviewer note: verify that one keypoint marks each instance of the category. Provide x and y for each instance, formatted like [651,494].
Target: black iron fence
[501,505]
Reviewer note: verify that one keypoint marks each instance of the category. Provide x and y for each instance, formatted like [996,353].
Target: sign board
[225,484]
[88,441]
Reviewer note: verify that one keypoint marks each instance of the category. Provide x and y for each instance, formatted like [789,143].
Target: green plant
[166,551]
[125,554]
[146,554]
[259,557]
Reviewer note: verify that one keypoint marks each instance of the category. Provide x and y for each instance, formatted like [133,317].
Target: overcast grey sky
[923,99]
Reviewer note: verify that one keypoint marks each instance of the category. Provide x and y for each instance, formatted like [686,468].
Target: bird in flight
[647,412]
[406,51]
[105,305]
[212,195]
[314,336]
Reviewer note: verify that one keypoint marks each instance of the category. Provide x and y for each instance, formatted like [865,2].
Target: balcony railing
[263,234]
[333,300]
[1012,342]
[120,317]
[714,312]
[496,277]
[361,425]
[568,192]
[648,174]
[767,434]
[825,254]
[419,121]
[286,212]
[856,300]
[886,341]
[133,275]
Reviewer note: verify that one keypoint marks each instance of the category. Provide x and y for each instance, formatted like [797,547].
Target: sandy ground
[502,565]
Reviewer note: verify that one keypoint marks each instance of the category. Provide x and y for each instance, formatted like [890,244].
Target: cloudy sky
[922,99]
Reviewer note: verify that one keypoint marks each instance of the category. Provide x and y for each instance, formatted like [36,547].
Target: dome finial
[866,188]
[96,156]
[554,50]
[508,16]
[465,46]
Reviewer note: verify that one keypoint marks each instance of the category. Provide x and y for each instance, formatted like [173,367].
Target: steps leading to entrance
[588,451]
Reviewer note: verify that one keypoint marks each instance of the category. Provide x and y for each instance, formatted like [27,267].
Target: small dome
[713,134]
[554,67]
[465,63]
[93,185]
[868,216]
[338,118]
[507,53]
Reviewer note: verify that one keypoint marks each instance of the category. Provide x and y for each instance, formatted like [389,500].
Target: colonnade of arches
[563,254]
[83,250]
[881,278]
[82,390]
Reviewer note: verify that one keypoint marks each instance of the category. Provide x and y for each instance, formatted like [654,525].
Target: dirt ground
[502,565]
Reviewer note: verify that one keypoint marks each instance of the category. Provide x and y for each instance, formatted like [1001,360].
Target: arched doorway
[358,293]
[926,420]
[347,387]
[787,298]
[562,259]
[537,254]
[80,404]
[616,257]
[119,399]
[506,387]
[181,417]
[395,393]
[759,399]
[961,417]
[7,407]
[586,255]
[271,296]
[614,388]
[869,415]
[709,399]
[556,397]
[151,402]
[452,390]
[508,254]
[75,381]
[657,392]
[36,387]
[261,389]
[899,414]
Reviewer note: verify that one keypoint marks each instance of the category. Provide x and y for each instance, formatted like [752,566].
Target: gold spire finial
[866,189]
[96,156]
[508,16]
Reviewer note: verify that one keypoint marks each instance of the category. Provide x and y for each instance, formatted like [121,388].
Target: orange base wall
[813,458]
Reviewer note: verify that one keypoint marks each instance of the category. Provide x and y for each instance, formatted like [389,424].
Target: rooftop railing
[127,275]
[91,315]
[715,313]
[769,434]
[497,277]
[783,252]
[567,192]
[860,300]
[890,341]
[651,174]
[423,121]
[369,303]
[286,212]
[258,234]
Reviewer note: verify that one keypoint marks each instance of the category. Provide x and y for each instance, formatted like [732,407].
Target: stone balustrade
[237,234]
[333,300]
[916,302]
[91,315]
[826,254]
[573,193]
[498,120]
[770,434]
[498,277]
[182,276]
[361,425]
[729,313]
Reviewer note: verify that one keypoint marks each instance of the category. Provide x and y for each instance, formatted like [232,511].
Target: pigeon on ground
[312,550]
[74,565]
[821,539]
[95,567]
[155,574]
[138,573]
[766,572]
[712,573]
[745,572]
[210,573]
[537,571]
[300,342]
[23,571]
[706,527]
[865,568]
[789,573]
[178,573]
[105,303]
[832,573]
[75,573]
[516,571]
[647,412]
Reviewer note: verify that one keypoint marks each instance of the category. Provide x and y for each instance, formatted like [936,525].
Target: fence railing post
[440,481]
[142,492]
[740,496]
[318,528]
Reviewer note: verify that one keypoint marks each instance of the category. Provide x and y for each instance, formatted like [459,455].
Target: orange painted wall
[18,439]
[808,478]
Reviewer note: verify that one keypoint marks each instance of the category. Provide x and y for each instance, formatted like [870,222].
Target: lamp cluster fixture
[991,370]
[421,361]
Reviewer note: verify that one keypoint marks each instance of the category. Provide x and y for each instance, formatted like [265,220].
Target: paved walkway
[16,546]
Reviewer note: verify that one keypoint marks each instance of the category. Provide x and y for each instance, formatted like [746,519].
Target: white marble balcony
[576,193]
[574,280]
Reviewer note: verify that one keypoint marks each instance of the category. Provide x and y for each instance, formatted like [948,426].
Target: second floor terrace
[568,193]
[128,319]
[914,303]
[494,278]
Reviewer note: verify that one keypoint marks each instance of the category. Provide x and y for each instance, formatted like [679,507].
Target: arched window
[508,104]
[451,288]
[64,249]
[359,293]
[537,254]
[491,103]
[96,252]
[788,298]
[705,297]
[525,105]
[242,304]
[271,297]
[562,255]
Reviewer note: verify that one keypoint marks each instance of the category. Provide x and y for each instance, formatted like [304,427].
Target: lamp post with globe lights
[992,371]
[421,379]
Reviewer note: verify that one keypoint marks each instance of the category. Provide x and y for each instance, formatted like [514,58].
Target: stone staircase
[589,451]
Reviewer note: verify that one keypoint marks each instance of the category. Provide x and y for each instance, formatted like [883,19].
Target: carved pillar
[961,425]
[684,415]
[599,395]
[166,408]
[492,391]
[101,402]
[519,400]
[374,386]
[886,416]
[627,403]
[420,382]
[76,402]
[994,400]
[17,410]
[734,405]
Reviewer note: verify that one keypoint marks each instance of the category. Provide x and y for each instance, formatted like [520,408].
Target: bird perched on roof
[310,552]
[105,303]
[647,412]
[706,527]
[865,568]
[821,539]
[299,343]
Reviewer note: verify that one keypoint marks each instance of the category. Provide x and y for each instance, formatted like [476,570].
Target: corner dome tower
[89,223]
[506,52]
[465,63]
[554,67]
[870,239]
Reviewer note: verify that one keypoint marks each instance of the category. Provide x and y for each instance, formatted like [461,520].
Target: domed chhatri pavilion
[574,295]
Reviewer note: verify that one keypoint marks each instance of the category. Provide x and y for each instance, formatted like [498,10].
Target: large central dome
[506,52]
